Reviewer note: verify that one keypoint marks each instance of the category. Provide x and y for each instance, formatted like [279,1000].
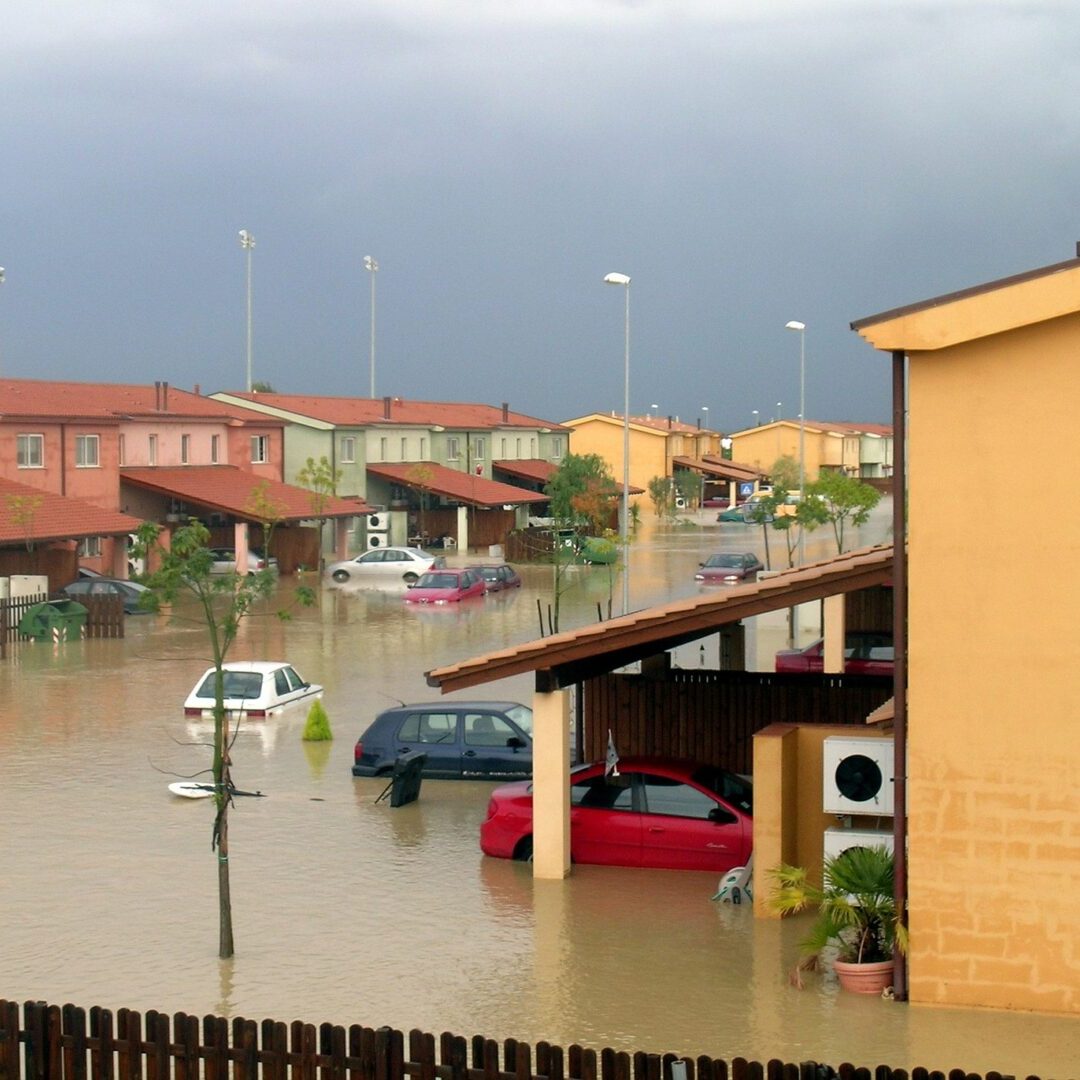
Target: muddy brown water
[348,911]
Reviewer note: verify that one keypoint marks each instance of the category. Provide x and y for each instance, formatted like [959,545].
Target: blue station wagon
[463,740]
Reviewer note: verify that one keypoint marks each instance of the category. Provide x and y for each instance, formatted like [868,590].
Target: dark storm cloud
[745,164]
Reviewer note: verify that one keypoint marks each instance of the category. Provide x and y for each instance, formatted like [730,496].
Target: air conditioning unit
[858,775]
[379,522]
[837,841]
[376,540]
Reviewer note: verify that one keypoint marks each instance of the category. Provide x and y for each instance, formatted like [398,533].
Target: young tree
[22,509]
[662,495]
[842,500]
[421,476]
[582,493]
[223,601]
[321,479]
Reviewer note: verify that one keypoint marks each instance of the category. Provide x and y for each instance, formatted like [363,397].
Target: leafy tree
[321,479]
[842,500]
[23,509]
[262,388]
[421,476]
[223,601]
[785,473]
[687,486]
[582,493]
[662,495]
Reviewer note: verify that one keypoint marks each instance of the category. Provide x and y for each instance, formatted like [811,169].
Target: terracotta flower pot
[864,978]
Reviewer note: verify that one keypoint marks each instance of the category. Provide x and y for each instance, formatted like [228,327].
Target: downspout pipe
[900,652]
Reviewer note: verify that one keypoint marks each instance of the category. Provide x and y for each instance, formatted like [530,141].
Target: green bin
[55,620]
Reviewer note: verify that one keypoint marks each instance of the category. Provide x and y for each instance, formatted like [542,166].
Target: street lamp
[1,275]
[705,410]
[623,280]
[754,413]
[801,329]
[247,242]
[372,267]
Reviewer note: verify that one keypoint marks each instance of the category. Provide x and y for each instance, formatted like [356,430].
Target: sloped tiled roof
[661,425]
[464,487]
[534,469]
[716,466]
[116,401]
[227,489]
[365,412]
[56,517]
[601,647]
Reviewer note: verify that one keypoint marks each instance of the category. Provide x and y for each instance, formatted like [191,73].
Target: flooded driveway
[348,911]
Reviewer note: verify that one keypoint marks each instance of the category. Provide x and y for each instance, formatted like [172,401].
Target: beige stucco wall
[648,457]
[994,759]
[761,447]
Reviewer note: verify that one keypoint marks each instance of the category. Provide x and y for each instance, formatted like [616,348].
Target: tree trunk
[225,936]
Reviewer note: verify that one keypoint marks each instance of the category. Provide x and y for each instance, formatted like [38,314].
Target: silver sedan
[385,564]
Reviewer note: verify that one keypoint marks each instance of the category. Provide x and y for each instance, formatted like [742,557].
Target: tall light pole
[1,275]
[801,329]
[247,242]
[372,267]
[754,413]
[624,281]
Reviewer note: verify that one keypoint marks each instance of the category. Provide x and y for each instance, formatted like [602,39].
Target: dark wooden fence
[104,618]
[69,1043]
[11,611]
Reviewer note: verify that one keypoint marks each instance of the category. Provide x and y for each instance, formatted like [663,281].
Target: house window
[348,449]
[384,447]
[151,450]
[423,448]
[87,451]
[30,451]
[404,449]
[121,457]
[453,449]
[517,449]
[556,448]
[481,448]
[503,454]
[185,449]
[215,449]
[260,449]
[90,547]
[532,447]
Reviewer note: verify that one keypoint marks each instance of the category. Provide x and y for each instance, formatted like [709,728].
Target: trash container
[54,620]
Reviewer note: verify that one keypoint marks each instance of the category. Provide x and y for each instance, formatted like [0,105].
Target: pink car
[652,812]
[445,587]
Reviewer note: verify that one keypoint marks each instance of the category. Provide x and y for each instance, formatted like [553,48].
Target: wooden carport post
[551,780]
[834,632]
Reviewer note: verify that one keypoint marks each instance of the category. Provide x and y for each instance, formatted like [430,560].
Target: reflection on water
[349,911]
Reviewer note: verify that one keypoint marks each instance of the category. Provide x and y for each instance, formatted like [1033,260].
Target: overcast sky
[746,163]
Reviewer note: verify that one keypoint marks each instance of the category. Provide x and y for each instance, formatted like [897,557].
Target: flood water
[346,910]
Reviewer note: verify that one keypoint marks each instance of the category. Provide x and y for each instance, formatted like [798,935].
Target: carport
[564,660]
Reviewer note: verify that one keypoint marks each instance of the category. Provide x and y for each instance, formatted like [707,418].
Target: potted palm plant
[857,916]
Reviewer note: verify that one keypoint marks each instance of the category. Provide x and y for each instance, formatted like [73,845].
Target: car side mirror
[515,742]
[721,816]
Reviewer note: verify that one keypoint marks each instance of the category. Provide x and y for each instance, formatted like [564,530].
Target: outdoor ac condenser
[858,775]
[838,840]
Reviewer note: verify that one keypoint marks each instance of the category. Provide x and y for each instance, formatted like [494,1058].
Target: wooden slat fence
[104,618]
[67,1043]
[11,611]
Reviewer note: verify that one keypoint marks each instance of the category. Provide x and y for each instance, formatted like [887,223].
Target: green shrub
[317,728]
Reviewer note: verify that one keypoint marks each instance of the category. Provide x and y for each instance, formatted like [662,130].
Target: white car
[253,688]
[225,561]
[386,565]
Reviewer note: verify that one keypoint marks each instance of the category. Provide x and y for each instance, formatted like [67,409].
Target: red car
[445,587]
[727,567]
[651,812]
[866,652]
[498,576]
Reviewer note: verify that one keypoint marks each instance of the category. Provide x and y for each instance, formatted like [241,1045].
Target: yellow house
[860,450]
[993,757]
[654,444]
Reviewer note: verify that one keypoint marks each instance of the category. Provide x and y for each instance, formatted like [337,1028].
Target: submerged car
[225,561]
[463,740]
[866,652]
[252,688]
[389,564]
[130,592]
[498,576]
[663,813]
[445,587]
[726,567]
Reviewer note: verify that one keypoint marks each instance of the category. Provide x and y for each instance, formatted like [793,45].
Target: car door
[493,748]
[433,732]
[605,828]
[686,828]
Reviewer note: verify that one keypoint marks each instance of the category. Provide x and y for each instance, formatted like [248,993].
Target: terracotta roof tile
[56,517]
[462,486]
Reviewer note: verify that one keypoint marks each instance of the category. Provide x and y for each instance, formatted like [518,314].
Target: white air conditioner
[837,841]
[858,775]
[376,540]
[379,522]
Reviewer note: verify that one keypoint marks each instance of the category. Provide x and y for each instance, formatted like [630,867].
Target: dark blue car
[462,740]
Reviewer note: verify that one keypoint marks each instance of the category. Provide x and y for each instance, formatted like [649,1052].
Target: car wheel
[411,579]
[340,575]
[524,851]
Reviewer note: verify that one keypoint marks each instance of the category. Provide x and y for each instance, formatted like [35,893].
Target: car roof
[262,666]
[138,586]
[445,706]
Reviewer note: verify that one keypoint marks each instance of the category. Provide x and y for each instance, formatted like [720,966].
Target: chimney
[197,391]
[164,397]
[669,422]
[157,394]
[386,407]
[506,412]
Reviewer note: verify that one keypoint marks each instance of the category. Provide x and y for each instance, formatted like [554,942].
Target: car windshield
[238,684]
[731,788]
[438,581]
[522,715]
[488,573]
[723,560]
